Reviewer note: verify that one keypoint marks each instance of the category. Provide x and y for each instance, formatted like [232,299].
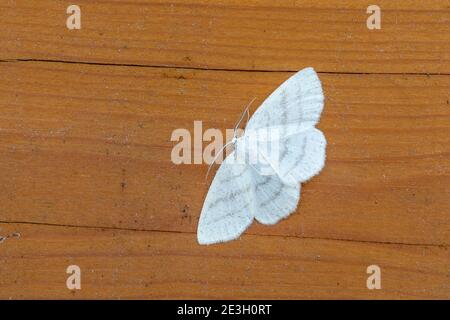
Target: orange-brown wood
[130,264]
[90,145]
[85,148]
[234,34]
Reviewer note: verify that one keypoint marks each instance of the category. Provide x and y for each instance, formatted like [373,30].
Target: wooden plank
[126,264]
[90,146]
[332,36]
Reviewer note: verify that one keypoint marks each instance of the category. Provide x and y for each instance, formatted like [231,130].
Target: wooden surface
[252,35]
[86,118]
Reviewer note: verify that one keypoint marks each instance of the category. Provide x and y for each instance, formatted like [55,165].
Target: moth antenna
[215,158]
[243,114]
[238,123]
[248,112]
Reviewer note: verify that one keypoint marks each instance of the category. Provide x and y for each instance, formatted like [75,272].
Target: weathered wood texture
[262,35]
[85,150]
[130,264]
[90,145]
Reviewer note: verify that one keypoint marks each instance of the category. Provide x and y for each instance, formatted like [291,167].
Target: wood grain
[332,36]
[86,118]
[91,146]
[129,264]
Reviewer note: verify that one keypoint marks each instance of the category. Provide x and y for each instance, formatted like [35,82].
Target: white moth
[288,150]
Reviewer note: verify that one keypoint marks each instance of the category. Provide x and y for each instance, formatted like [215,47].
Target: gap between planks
[215,69]
[441,246]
